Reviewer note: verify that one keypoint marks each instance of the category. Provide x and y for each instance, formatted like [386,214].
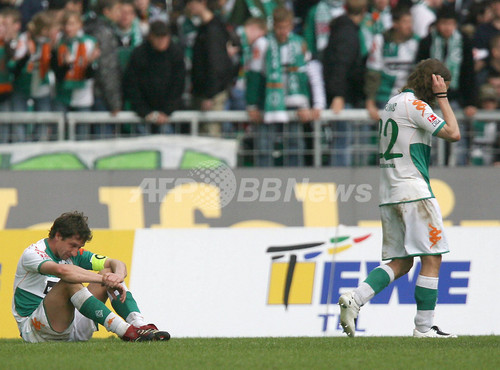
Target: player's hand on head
[438,84]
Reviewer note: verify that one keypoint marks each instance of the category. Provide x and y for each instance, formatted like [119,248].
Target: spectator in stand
[377,20]
[492,65]
[485,32]
[246,36]
[74,67]
[147,13]
[344,70]
[32,57]
[212,67]
[29,8]
[154,79]
[107,86]
[391,59]
[278,81]
[5,78]
[244,9]
[450,46]
[128,31]
[478,13]
[317,25]
[484,133]
[424,15]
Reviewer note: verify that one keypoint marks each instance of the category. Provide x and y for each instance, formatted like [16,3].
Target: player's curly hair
[71,224]
[420,80]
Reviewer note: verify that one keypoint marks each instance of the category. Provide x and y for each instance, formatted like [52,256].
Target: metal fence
[319,136]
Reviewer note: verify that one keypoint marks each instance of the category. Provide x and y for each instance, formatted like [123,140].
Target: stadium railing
[362,140]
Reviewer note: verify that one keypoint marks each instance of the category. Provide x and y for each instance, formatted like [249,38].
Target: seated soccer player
[51,304]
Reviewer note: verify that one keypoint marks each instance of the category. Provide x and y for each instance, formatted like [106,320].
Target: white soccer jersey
[30,286]
[406,127]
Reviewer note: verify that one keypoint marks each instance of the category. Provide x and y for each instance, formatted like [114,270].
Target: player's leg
[393,248]
[63,298]
[128,310]
[426,238]
[426,292]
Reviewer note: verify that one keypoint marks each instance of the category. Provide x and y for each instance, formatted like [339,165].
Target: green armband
[98,261]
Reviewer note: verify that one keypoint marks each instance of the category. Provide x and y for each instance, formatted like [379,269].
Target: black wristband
[441,95]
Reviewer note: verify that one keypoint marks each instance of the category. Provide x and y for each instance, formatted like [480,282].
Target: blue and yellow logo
[292,282]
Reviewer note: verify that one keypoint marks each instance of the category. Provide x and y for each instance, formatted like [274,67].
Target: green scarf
[268,8]
[297,81]
[246,51]
[454,55]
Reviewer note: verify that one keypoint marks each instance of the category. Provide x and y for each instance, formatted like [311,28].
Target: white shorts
[36,328]
[412,229]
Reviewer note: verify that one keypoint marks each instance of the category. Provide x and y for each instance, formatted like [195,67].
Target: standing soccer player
[411,219]
[51,304]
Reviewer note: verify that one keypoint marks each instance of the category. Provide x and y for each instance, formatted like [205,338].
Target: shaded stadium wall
[221,197]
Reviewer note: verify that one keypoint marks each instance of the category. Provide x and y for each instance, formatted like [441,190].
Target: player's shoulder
[38,248]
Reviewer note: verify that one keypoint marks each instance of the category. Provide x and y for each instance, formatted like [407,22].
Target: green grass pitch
[478,352]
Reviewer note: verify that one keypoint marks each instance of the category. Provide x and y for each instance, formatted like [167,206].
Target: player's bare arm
[118,270]
[450,131]
[77,275]
[70,273]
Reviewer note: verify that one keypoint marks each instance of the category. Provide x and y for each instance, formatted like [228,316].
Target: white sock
[424,320]
[80,297]
[115,324]
[136,319]
[363,293]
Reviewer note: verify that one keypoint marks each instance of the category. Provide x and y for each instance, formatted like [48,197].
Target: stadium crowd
[264,56]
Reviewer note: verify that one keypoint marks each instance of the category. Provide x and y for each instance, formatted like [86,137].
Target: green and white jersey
[406,127]
[394,61]
[31,286]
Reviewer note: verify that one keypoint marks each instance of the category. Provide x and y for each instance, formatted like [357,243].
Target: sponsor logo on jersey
[419,105]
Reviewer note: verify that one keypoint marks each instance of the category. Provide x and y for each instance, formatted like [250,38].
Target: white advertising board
[286,282]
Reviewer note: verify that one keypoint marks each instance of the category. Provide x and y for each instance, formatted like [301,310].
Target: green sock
[124,309]
[426,298]
[378,279]
[95,310]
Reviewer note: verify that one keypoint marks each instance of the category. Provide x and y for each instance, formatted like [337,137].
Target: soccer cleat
[134,334]
[349,311]
[157,334]
[434,332]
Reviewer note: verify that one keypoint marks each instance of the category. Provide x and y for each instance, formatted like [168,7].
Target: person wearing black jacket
[449,45]
[212,70]
[154,79]
[343,72]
